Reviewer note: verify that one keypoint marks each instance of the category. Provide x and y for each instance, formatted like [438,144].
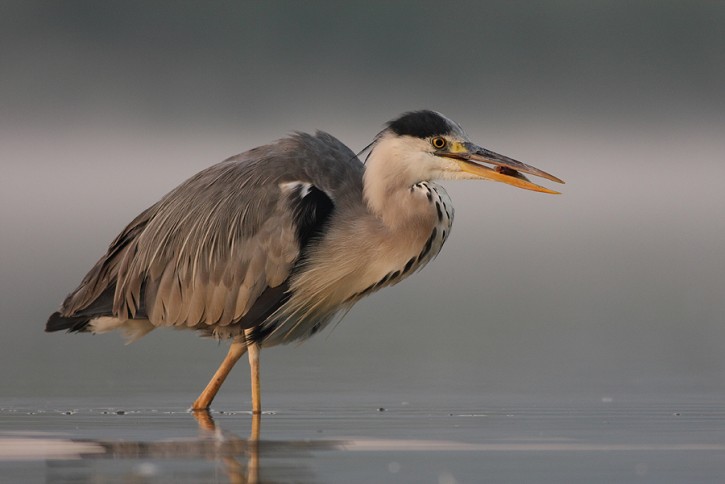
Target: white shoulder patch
[294,185]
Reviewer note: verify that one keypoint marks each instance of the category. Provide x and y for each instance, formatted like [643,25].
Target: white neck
[390,172]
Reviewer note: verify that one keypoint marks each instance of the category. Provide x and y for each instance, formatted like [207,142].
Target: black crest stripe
[421,124]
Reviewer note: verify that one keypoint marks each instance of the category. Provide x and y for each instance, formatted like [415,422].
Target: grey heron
[268,246]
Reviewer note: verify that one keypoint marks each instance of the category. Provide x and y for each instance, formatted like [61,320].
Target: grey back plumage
[224,243]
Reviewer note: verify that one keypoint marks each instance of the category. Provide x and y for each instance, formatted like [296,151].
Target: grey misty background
[613,288]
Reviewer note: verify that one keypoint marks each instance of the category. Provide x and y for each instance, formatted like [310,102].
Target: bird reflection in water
[236,471]
[239,458]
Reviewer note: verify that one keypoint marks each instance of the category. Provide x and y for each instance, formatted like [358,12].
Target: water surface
[348,439]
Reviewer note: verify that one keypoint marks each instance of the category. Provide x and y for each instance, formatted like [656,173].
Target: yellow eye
[438,142]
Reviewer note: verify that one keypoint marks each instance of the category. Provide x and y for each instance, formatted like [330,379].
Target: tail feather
[93,298]
[74,324]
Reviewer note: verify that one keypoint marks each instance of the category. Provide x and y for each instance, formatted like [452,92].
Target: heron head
[433,147]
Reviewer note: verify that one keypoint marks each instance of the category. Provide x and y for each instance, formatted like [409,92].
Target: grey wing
[203,262]
[216,253]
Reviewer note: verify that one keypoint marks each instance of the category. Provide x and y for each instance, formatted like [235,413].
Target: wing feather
[241,302]
[215,300]
[197,300]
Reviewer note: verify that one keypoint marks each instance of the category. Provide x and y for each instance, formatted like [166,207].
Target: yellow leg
[254,349]
[236,350]
[253,442]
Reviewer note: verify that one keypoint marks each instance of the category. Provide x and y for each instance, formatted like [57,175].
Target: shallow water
[349,439]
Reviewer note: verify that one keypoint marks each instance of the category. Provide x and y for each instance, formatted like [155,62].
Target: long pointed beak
[503,169]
